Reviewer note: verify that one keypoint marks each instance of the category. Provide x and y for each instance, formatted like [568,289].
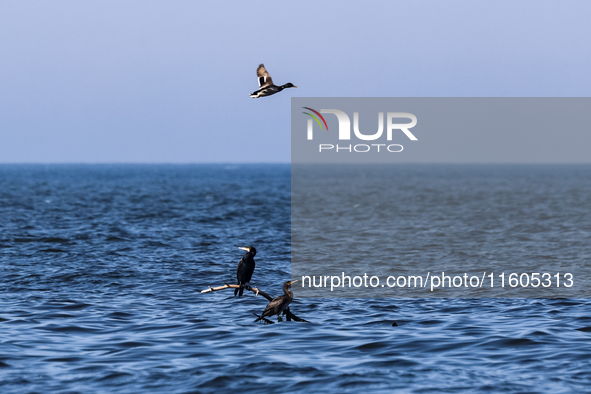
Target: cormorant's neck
[287,291]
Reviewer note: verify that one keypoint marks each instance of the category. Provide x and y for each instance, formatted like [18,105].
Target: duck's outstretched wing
[264,77]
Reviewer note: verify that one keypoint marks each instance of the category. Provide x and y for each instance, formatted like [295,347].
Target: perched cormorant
[245,269]
[279,304]
[266,86]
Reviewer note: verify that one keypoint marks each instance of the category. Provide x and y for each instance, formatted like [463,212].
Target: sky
[168,81]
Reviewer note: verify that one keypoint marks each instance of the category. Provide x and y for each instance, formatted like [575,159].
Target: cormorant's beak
[292,282]
[294,86]
[243,248]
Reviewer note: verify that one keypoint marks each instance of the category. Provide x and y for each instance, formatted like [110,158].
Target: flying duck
[266,86]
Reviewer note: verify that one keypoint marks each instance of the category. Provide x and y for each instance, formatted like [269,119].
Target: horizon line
[290,163]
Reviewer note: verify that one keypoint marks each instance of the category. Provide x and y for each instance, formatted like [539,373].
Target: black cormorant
[279,304]
[266,86]
[245,269]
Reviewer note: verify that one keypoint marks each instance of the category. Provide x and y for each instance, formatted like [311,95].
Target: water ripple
[100,294]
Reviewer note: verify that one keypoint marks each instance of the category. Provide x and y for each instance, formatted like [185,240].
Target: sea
[102,268]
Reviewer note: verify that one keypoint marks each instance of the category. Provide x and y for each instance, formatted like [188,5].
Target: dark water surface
[100,267]
[486,221]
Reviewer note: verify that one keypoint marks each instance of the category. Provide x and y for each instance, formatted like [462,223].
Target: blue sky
[168,81]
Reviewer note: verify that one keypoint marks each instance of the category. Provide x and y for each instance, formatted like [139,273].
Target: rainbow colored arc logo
[315,118]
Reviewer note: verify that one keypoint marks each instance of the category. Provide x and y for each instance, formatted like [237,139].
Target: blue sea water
[101,267]
[501,222]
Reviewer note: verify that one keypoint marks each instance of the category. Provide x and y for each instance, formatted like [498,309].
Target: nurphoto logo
[344,133]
